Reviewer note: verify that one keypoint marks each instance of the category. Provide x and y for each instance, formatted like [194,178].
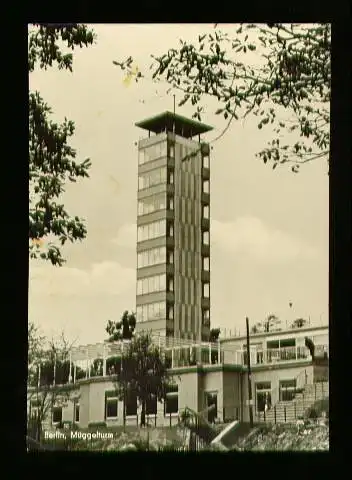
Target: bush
[313,414]
[97,425]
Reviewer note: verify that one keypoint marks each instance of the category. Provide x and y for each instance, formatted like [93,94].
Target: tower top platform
[171,122]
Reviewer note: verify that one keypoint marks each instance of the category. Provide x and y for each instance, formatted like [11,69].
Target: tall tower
[173,228]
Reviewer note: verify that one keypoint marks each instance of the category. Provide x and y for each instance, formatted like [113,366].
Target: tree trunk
[143,414]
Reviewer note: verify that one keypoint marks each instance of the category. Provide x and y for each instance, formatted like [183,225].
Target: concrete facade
[173,283]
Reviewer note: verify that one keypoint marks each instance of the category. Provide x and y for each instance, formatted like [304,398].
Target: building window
[151,311]
[152,178]
[171,230]
[151,407]
[263,396]
[146,285]
[151,230]
[171,400]
[171,312]
[206,290]
[170,258]
[171,285]
[77,413]
[211,400]
[287,390]
[206,317]
[206,264]
[206,211]
[206,161]
[171,203]
[57,415]
[153,152]
[153,203]
[206,186]
[171,178]
[154,256]
[111,407]
[206,237]
[172,151]
[131,404]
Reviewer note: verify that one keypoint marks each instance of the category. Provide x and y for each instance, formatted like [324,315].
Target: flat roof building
[173,228]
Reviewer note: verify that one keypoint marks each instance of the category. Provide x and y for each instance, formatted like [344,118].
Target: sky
[269,228]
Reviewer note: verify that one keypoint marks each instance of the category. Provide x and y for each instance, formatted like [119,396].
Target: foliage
[279,73]
[310,345]
[122,330]
[51,159]
[308,437]
[45,364]
[214,335]
[143,374]
[271,323]
[299,323]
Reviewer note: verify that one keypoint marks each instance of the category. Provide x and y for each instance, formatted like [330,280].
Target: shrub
[97,425]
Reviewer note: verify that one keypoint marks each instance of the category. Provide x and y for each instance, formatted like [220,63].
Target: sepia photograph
[178,237]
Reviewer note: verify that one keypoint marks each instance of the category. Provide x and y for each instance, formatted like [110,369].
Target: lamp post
[250,401]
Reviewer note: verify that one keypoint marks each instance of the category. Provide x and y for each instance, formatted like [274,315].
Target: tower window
[206,264]
[206,186]
[205,211]
[206,290]
[206,238]
[206,161]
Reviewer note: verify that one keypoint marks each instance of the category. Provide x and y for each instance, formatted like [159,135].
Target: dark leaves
[51,159]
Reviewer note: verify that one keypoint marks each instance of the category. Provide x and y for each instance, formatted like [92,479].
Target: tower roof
[168,121]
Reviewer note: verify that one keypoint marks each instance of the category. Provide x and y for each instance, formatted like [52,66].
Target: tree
[310,345]
[51,159]
[48,372]
[122,330]
[279,73]
[143,374]
[214,335]
[299,323]
[271,323]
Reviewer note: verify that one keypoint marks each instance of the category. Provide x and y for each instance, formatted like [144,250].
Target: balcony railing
[274,355]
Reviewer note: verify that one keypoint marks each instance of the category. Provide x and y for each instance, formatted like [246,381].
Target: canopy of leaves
[51,160]
[280,73]
[144,372]
[47,364]
[214,334]
[299,323]
[271,323]
[122,330]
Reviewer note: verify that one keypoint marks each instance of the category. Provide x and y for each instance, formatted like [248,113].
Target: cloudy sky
[269,229]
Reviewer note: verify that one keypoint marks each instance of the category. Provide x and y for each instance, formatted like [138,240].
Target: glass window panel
[206,238]
[206,263]
[205,211]
[206,186]
[111,407]
[57,414]
[206,161]
[206,290]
